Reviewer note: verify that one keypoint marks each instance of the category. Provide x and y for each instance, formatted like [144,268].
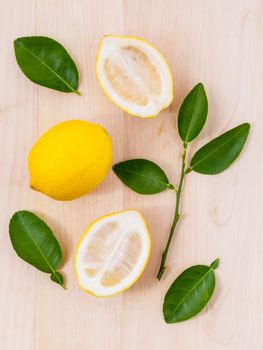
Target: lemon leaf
[142,176]
[193,113]
[189,293]
[46,62]
[35,243]
[57,278]
[218,154]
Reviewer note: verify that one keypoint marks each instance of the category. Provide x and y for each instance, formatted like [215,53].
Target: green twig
[176,215]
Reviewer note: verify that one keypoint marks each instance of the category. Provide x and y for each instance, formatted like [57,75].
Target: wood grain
[217,42]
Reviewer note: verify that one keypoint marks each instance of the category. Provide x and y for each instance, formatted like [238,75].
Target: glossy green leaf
[193,113]
[218,154]
[142,176]
[46,62]
[58,278]
[35,243]
[215,264]
[189,293]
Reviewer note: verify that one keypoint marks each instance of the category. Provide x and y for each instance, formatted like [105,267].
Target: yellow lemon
[113,253]
[70,159]
[134,75]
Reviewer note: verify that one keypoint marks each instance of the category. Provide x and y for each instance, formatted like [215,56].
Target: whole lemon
[70,159]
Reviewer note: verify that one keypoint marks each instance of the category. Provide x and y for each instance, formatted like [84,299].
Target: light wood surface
[217,42]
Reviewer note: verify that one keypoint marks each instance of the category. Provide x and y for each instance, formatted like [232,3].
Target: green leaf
[35,243]
[215,264]
[218,154]
[57,278]
[46,62]
[189,293]
[193,113]
[142,176]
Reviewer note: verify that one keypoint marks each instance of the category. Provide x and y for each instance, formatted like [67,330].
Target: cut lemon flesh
[134,75]
[112,253]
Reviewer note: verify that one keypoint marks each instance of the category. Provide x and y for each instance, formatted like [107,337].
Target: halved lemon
[134,75]
[112,253]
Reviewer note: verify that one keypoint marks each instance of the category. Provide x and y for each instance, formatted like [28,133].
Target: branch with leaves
[146,177]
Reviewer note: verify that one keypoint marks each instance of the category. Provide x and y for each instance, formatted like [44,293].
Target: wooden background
[218,42]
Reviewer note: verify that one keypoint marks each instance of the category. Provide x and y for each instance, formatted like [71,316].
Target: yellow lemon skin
[70,159]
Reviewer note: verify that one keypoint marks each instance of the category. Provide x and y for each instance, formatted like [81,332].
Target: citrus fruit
[134,75]
[70,159]
[112,253]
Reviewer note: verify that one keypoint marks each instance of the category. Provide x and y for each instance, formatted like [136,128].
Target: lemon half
[112,253]
[70,159]
[134,75]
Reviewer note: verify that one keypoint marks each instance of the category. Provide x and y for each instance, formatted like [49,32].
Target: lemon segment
[134,75]
[112,253]
[70,159]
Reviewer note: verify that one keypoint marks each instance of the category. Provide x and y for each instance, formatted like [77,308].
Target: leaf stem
[171,187]
[176,215]
[77,92]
